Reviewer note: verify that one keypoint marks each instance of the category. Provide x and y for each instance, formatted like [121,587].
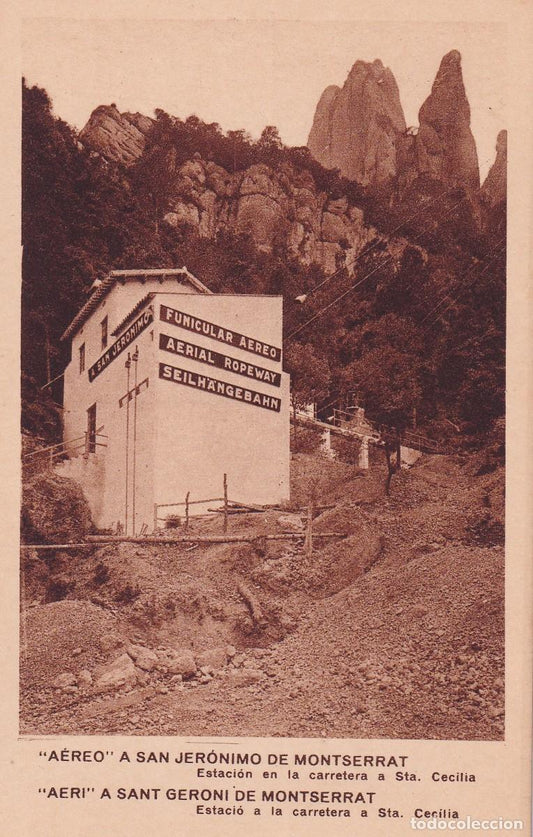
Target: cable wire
[391,233]
[463,288]
[364,278]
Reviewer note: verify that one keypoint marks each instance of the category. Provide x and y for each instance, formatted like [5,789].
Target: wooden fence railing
[187,503]
[409,438]
[50,454]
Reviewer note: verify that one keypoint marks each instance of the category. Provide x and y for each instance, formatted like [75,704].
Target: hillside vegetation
[419,334]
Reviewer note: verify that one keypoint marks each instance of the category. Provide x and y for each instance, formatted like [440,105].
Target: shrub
[54,510]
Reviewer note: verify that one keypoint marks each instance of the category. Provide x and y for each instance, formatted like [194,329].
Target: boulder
[183,213]
[120,672]
[179,661]
[54,510]
[64,679]
[356,128]
[116,136]
[215,658]
[445,149]
[143,657]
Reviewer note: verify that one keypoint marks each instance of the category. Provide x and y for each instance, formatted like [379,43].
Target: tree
[310,376]
[387,368]
[424,331]
[270,145]
[79,218]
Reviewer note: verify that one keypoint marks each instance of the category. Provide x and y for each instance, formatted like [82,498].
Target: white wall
[186,439]
[106,390]
[201,435]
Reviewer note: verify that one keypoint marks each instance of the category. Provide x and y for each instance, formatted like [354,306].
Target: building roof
[131,315]
[125,276]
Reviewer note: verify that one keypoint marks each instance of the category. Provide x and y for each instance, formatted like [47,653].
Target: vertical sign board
[123,342]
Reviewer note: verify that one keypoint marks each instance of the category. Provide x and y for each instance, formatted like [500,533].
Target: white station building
[170,387]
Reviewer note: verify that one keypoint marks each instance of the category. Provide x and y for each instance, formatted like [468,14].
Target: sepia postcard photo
[264,388]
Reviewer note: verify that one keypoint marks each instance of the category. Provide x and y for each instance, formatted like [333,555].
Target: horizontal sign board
[220,333]
[230,364]
[131,333]
[217,387]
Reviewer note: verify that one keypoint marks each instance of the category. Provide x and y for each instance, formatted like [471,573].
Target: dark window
[104,333]
[82,358]
[91,429]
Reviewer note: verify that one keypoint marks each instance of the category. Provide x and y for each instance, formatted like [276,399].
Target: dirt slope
[396,631]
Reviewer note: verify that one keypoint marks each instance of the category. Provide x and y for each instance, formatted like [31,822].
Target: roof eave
[110,280]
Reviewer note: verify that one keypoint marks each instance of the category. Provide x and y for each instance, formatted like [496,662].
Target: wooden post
[187,511]
[398,442]
[47,353]
[155,517]
[225,503]
[253,605]
[308,543]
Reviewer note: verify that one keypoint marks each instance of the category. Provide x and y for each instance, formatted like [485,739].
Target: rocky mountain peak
[356,127]
[494,189]
[116,136]
[360,129]
[445,146]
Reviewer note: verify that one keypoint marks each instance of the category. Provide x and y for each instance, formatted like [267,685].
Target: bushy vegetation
[418,336]
[54,510]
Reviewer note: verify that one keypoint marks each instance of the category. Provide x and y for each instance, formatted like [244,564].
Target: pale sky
[248,74]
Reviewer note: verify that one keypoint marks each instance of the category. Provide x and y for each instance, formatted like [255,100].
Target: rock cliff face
[281,205]
[361,130]
[494,189]
[271,205]
[117,136]
[356,128]
[445,149]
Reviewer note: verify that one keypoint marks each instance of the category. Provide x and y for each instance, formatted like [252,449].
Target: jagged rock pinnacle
[494,189]
[356,127]
[445,149]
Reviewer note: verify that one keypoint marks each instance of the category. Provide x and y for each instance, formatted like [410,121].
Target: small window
[104,333]
[91,429]
[82,358]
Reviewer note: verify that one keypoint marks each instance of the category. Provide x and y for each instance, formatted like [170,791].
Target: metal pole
[127,365]
[135,358]
[225,503]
